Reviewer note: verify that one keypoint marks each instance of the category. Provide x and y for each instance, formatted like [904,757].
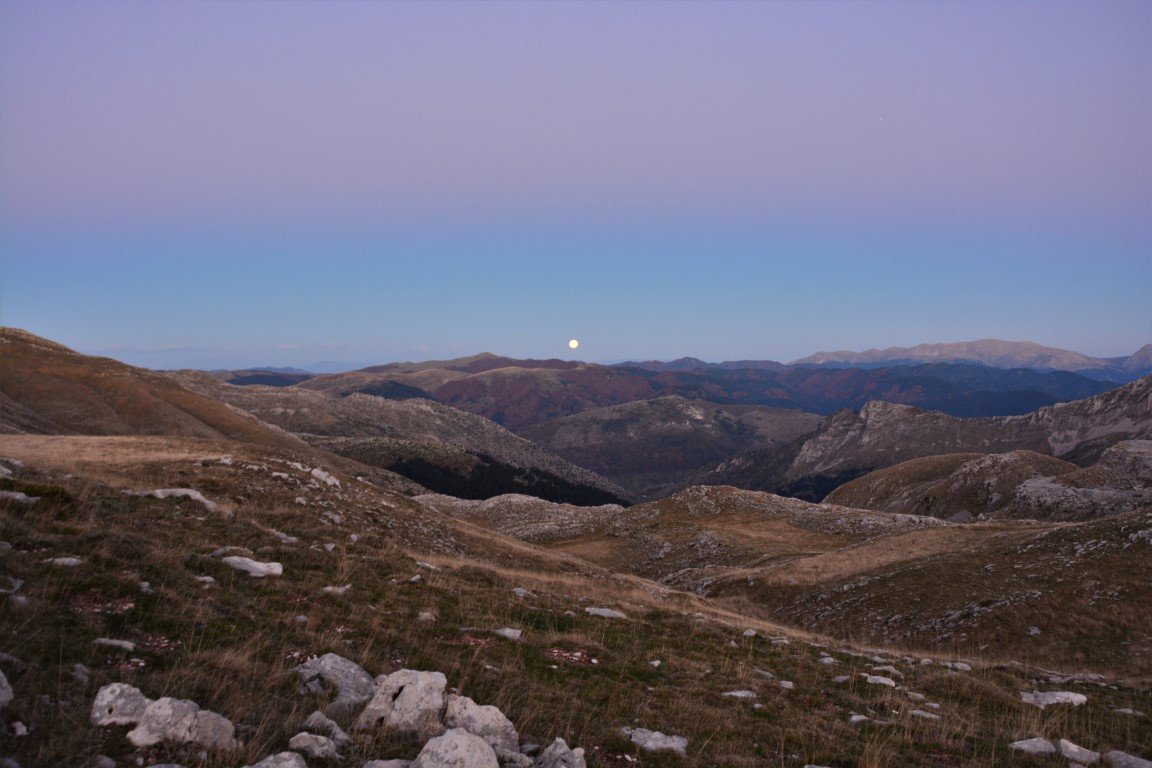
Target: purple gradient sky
[219,183]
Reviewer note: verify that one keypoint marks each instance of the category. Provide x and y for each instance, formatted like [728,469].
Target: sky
[229,184]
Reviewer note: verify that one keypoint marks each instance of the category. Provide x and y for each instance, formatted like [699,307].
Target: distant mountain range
[996,354]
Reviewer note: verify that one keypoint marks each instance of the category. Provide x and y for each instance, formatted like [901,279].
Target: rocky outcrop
[254,568]
[176,721]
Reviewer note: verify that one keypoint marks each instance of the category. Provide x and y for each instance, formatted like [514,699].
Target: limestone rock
[1118,759]
[605,613]
[485,721]
[923,715]
[6,692]
[1034,746]
[1077,753]
[314,746]
[509,634]
[1047,698]
[456,749]
[282,760]
[182,722]
[558,755]
[407,700]
[387,764]
[654,741]
[877,680]
[254,568]
[318,722]
[119,704]
[740,694]
[354,686]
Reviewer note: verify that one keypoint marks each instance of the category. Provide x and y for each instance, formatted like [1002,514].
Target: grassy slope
[234,640]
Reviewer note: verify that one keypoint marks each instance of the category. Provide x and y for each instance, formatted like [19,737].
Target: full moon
[573,344]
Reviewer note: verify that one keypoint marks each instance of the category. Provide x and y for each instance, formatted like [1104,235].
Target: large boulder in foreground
[354,686]
[408,701]
[456,749]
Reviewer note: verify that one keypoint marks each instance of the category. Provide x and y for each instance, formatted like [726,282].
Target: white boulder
[119,704]
[409,701]
[559,755]
[282,760]
[485,721]
[315,746]
[6,692]
[254,568]
[182,722]
[1047,698]
[1118,759]
[654,741]
[354,687]
[1076,753]
[456,749]
[1034,746]
[320,723]
[605,613]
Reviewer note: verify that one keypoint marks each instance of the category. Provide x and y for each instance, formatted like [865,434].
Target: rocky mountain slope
[440,447]
[848,445]
[652,447]
[1020,484]
[369,582]
[46,388]
[995,353]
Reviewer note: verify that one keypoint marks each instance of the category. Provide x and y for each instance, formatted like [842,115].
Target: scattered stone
[426,566]
[103,761]
[456,749]
[409,701]
[1033,631]
[63,562]
[604,613]
[146,588]
[841,678]
[1118,759]
[6,692]
[18,498]
[915,696]
[1077,753]
[1034,746]
[320,723]
[485,721]
[324,477]
[415,579]
[749,633]
[787,685]
[354,686]
[205,581]
[122,645]
[740,694]
[1130,712]
[426,616]
[339,591]
[558,755]
[923,715]
[315,746]
[19,729]
[508,633]
[654,741]
[388,764]
[282,760]
[1047,698]
[828,660]
[119,704]
[183,722]
[656,663]
[855,719]
[521,592]
[253,568]
[889,669]
[877,680]
[190,493]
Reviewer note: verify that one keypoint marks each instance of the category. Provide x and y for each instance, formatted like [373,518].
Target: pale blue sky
[225,184]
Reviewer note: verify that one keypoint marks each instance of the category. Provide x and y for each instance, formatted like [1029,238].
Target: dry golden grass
[238,639]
